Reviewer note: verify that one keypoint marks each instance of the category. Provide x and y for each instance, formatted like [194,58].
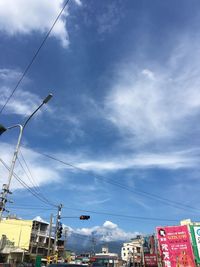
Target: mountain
[82,244]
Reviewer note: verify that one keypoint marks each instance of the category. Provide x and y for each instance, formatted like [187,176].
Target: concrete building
[22,239]
[105,252]
[39,238]
[15,238]
[132,252]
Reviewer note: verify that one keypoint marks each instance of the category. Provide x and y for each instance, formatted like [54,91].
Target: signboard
[195,233]
[150,260]
[149,245]
[175,247]
[38,261]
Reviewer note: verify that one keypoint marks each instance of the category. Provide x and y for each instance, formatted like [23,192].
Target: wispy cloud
[173,160]
[40,170]
[158,103]
[24,102]
[108,20]
[25,17]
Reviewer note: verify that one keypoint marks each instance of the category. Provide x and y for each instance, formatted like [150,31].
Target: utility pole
[6,187]
[93,243]
[58,217]
[65,236]
[50,231]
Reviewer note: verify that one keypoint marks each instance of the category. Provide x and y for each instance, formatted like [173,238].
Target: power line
[34,56]
[26,186]
[123,215]
[91,211]
[32,180]
[31,207]
[124,187]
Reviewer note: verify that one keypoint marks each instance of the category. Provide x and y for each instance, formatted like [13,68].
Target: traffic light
[2,129]
[59,231]
[84,217]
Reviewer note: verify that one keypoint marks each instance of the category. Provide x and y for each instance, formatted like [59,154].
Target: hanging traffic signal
[2,129]
[59,231]
[84,217]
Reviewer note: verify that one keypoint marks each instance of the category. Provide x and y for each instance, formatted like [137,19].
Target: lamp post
[6,187]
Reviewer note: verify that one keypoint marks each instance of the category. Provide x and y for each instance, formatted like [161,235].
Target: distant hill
[81,243]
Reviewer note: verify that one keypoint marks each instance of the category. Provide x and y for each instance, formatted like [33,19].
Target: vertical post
[58,217]
[3,129]
[93,244]
[50,231]
[65,243]
[7,187]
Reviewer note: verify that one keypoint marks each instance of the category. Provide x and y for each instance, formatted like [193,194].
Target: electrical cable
[122,215]
[31,207]
[30,177]
[124,187]
[32,180]
[34,56]
[25,185]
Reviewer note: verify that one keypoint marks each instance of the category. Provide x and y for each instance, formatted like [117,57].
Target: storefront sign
[175,247]
[150,260]
[195,233]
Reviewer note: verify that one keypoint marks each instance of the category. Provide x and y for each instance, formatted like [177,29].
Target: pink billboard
[175,247]
[150,260]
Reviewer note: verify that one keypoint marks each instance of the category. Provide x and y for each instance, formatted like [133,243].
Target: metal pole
[50,231]
[58,217]
[7,187]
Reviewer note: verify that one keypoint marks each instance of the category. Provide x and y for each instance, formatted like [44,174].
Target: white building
[133,251]
[105,252]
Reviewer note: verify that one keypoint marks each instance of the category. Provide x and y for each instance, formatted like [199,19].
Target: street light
[21,127]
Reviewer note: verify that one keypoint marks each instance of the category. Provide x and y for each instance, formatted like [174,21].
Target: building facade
[25,239]
[132,252]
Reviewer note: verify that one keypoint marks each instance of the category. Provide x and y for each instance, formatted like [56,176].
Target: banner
[149,245]
[195,233]
[150,260]
[175,247]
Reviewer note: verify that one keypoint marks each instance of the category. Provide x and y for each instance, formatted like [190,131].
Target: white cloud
[173,160]
[157,104]
[109,231]
[78,2]
[25,17]
[44,174]
[24,102]
[149,74]
[40,170]
[110,225]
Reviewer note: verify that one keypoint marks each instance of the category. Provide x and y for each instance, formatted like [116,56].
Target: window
[138,249]
[124,254]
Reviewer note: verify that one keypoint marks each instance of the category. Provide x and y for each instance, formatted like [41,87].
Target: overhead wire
[26,186]
[124,187]
[83,210]
[32,207]
[32,180]
[121,215]
[34,56]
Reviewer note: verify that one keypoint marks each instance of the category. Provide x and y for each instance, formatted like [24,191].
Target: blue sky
[125,110]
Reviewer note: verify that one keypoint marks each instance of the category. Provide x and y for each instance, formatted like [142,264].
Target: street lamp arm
[14,126]
[43,102]
[28,119]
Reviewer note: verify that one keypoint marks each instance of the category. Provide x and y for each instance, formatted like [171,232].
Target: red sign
[175,247]
[150,260]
